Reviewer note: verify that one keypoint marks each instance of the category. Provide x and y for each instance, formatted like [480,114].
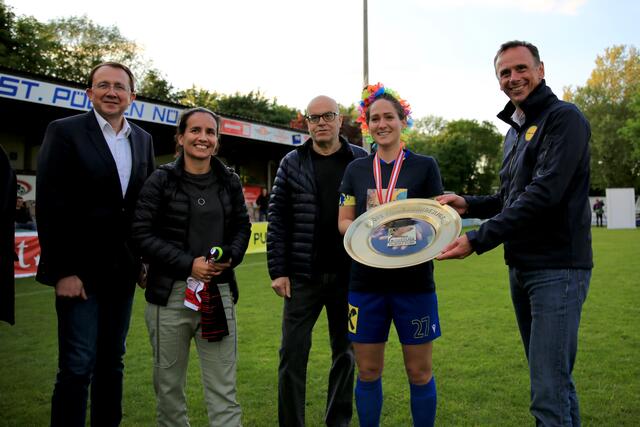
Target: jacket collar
[537,101]
[177,167]
[99,143]
[305,149]
[102,122]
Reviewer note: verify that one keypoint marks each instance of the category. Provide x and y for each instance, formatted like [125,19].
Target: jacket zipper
[514,151]
[513,155]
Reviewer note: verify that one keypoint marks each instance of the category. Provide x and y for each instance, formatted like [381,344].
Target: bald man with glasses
[308,265]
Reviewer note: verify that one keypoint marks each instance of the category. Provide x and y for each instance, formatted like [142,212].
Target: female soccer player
[378,296]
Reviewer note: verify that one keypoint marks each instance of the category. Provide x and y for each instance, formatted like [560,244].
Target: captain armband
[347,200]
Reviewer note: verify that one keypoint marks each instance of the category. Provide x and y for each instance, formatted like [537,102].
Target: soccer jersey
[419,178]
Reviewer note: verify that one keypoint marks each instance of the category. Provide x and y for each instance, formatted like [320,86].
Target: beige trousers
[171,330]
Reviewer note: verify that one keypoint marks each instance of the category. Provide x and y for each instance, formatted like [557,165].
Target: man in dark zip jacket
[308,264]
[542,216]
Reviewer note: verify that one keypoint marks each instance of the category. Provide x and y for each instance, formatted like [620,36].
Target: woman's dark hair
[396,104]
[184,117]
[181,128]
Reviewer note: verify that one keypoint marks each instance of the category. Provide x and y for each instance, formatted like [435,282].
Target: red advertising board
[27,248]
[28,251]
[251,193]
[234,127]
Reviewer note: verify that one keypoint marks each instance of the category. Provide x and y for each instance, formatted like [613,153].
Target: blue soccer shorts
[415,316]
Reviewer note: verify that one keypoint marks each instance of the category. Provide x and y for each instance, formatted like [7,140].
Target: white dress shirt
[519,117]
[120,148]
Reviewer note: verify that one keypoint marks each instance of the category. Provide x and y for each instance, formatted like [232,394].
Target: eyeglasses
[327,117]
[118,88]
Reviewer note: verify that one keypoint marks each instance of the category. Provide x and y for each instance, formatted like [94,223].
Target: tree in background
[22,41]
[349,112]
[299,122]
[154,85]
[631,129]
[198,97]
[468,153]
[68,48]
[84,44]
[350,129]
[610,100]
[429,125]
[255,105]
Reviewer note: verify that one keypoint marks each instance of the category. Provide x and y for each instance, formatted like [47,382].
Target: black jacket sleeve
[54,216]
[150,245]
[277,241]
[239,221]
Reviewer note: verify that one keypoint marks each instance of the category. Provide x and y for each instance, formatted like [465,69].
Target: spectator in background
[86,247]
[598,209]
[23,218]
[8,188]
[263,204]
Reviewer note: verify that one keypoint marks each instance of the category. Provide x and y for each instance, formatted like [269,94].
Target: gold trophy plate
[402,233]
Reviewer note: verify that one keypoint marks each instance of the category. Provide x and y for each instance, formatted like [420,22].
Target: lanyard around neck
[394,176]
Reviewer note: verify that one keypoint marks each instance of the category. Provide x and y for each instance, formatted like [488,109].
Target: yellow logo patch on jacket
[530,132]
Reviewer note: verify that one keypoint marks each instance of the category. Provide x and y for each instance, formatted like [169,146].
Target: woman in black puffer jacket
[185,208]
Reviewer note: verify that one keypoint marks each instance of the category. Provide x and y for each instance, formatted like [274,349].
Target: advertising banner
[60,95]
[27,186]
[258,240]
[27,247]
[28,250]
[261,132]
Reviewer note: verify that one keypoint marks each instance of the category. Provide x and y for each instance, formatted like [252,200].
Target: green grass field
[479,363]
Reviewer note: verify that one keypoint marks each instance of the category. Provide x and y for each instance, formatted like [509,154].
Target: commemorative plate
[402,233]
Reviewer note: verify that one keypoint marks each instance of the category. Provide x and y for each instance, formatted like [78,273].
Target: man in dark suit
[90,170]
[7,238]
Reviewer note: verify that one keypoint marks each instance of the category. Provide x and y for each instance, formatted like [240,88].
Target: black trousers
[300,314]
[91,348]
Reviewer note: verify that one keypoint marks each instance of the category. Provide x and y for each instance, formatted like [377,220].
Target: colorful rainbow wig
[370,94]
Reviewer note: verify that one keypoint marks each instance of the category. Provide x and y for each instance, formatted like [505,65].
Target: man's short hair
[113,65]
[517,43]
